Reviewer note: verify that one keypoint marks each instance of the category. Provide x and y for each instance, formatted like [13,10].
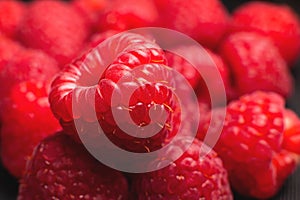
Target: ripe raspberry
[11,16]
[183,66]
[195,19]
[190,177]
[256,64]
[283,27]
[215,82]
[291,137]
[250,144]
[90,10]
[56,28]
[26,120]
[26,65]
[62,169]
[98,38]
[285,163]
[8,49]
[290,119]
[152,95]
[127,14]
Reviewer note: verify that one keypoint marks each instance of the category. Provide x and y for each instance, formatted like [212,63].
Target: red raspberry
[127,14]
[8,49]
[26,65]
[250,144]
[290,119]
[211,80]
[195,19]
[62,169]
[26,120]
[256,64]
[11,16]
[91,10]
[183,66]
[98,38]
[285,163]
[291,138]
[153,91]
[193,176]
[56,28]
[283,27]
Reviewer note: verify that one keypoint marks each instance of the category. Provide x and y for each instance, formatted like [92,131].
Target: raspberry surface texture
[91,11]
[291,137]
[250,144]
[283,27]
[128,14]
[137,63]
[193,176]
[207,27]
[26,120]
[41,29]
[149,99]
[63,169]
[256,64]
[11,17]
[8,48]
[25,65]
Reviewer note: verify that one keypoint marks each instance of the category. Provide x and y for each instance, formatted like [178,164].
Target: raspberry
[189,177]
[290,119]
[283,27]
[291,138]
[27,64]
[195,19]
[11,16]
[62,169]
[183,66]
[212,80]
[8,49]
[127,14]
[90,10]
[250,144]
[153,92]
[56,28]
[26,120]
[97,38]
[256,64]
[285,163]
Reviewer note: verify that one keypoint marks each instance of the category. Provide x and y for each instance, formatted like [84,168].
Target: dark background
[291,189]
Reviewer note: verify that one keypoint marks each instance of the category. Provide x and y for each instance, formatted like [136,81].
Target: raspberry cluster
[68,65]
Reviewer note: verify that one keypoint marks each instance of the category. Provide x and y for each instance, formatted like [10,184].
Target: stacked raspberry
[66,65]
[251,146]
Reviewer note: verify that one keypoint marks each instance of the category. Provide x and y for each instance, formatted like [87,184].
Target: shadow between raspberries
[8,185]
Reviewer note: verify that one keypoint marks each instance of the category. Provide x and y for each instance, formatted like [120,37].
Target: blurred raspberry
[195,19]
[215,81]
[277,21]
[128,14]
[182,64]
[11,17]
[56,28]
[291,138]
[100,37]
[26,120]
[24,65]
[256,64]
[8,50]
[91,10]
